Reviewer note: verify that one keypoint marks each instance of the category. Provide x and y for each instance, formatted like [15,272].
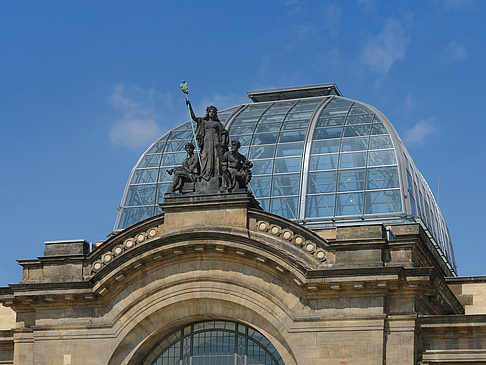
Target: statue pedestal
[208,187]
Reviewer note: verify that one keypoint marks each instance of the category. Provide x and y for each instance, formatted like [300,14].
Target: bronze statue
[186,175]
[236,170]
[212,139]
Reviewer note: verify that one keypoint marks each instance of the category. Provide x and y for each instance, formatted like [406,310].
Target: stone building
[340,256]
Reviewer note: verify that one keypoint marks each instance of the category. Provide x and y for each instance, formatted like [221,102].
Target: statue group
[217,169]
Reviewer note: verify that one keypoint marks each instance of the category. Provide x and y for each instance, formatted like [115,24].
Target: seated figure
[186,174]
[236,170]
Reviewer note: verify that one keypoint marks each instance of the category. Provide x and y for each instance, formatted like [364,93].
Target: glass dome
[319,160]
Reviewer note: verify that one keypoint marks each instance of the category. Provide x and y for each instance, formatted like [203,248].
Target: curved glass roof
[320,161]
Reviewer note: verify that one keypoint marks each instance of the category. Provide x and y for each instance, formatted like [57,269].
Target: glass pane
[349,204]
[378,128]
[299,116]
[359,110]
[360,119]
[385,157]
[131,216]
[285,185]
[338,103]
[264,151]
[380,142]
[176,146]
[325,146]
[176,135]
[243,151]
[172,159]
[184,127]
[292,136]
[284,206]
[357,130]
[262,167]
[307,105]
[244,140]
[328,133]
[354,144]
[272,118]
[269,127]
[158,147]
[334,112]
[382,178]
[281,107]
[244,129]
[266,138]
[164,176]
[350,160]
[264,203]
[145,176]
[322,182]
[320,206]
[387,201]
[324,162]
[298,124]
[289,149]
[162,189]
[150,161]
[329,122]
[350,180]
[283,165]
[140,195]
[260,186]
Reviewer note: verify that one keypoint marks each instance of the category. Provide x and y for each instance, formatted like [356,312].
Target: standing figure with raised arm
[212,139]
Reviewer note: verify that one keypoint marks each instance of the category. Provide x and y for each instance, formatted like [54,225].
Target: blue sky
[85,87]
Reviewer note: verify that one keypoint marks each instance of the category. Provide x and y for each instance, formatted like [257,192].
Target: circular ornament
[262,226]
[321,255]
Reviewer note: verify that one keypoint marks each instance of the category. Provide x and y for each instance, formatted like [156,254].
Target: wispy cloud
[456,51]
[332,19]
[420,132]
[369,6]
[409,102]
[381,51]
[295,6]
[137,126]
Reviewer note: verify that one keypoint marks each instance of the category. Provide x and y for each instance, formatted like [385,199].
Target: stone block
[66,248]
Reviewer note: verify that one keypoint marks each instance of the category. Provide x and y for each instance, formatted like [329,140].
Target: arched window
[214,343]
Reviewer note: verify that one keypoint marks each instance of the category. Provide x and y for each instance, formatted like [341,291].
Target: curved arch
[155,325]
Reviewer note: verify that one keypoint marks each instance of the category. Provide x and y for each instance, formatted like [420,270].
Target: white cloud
[332,19]
[420,132]
[380,52]
[137,126]
[457,51]
[409,102]
[295,6]
[369,6]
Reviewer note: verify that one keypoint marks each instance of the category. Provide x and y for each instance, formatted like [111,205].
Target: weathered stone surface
[363,300]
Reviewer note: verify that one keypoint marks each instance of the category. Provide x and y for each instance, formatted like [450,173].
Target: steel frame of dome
[416,201]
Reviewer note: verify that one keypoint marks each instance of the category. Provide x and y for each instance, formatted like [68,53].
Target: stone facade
[365,294]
